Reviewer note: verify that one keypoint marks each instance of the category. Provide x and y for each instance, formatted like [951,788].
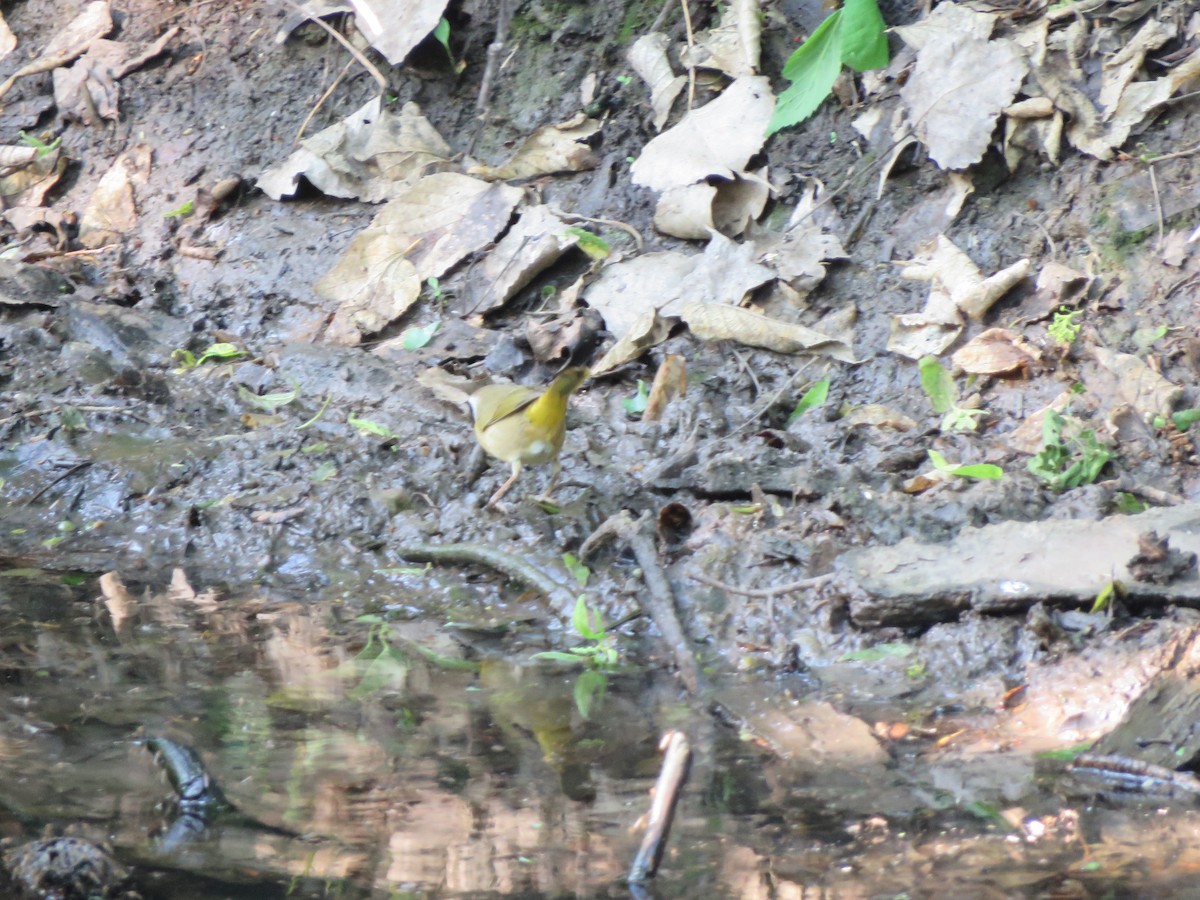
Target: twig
[691,42]
[1155,495]
[79,466]
[321,101]
[341,39]
[1178,153]
[677,759]
[1157,207]
[1045,234]
[803,584]
[658,600]
[494,50]
[661,17]
[483,555]
[611,223]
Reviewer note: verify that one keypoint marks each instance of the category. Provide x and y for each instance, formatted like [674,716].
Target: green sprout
[216,352]
[939,386]
[1064,463]
[1063,327]
[29,140]
[813,397]
[419,335]
[636,405]
[599,652]
[985,471]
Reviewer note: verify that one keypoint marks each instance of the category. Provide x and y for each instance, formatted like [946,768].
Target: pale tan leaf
[733,45]
[717,139]
[372,154]
[996,351]
[670,381]
[552,148]
[647,331]
[395,27]
[537,240]
[721,321]
[110,213]
[1135,383]
[953,109]
[648,57]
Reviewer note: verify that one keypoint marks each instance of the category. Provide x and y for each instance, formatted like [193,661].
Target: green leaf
[441,33]
[558,656]
[417,337]
[323,472]
[576,568]
[368,427]
[1185,418]
[181,211]
[985,471]
[812,69]
[590,688]
[222,352]
[269,402]
[591,244]
[586,621]
[636,405]
[1064,754]
[864,36]
[939,461]
[1104,598]
[813,397]
[879,651]
[938,384]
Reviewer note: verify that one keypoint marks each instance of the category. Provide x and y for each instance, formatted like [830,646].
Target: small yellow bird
[522,426]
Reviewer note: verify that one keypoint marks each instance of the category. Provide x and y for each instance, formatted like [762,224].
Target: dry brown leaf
[1135,383]
[717,139]
[552,148]
[8,40]
[649,330]
[110,213]
[648,57]
[372,154]
[719,321]
[121,604]
[670,381]
[732,46]
[1028,436]
[953,109]
[876,415]
[537,240]
[395,27]
[996,351]
[418,235]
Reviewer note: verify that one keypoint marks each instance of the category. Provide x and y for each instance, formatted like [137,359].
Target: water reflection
[404,759]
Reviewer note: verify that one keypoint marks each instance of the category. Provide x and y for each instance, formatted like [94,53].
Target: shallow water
[408,759]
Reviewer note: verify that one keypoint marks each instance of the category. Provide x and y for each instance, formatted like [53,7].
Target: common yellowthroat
[524,426]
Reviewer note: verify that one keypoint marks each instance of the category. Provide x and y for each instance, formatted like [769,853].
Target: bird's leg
[555,471]
[504,487]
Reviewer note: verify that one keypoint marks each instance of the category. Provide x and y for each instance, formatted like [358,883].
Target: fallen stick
[677,758]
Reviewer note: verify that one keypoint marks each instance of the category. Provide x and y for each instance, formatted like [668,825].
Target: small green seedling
[434,287]
[636,405]
[1064,463]
[1182,419]
[853,35]
[593,245]
[813,397]
[887,650]
[1104,600]
[600,651]
[984,471]
[576,568]
[590,688]
[216,353]
[366,426]
[269,403]
[29,140]
[939,386]
[419,335]
[181,211]
[1064,327]
[441,34]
